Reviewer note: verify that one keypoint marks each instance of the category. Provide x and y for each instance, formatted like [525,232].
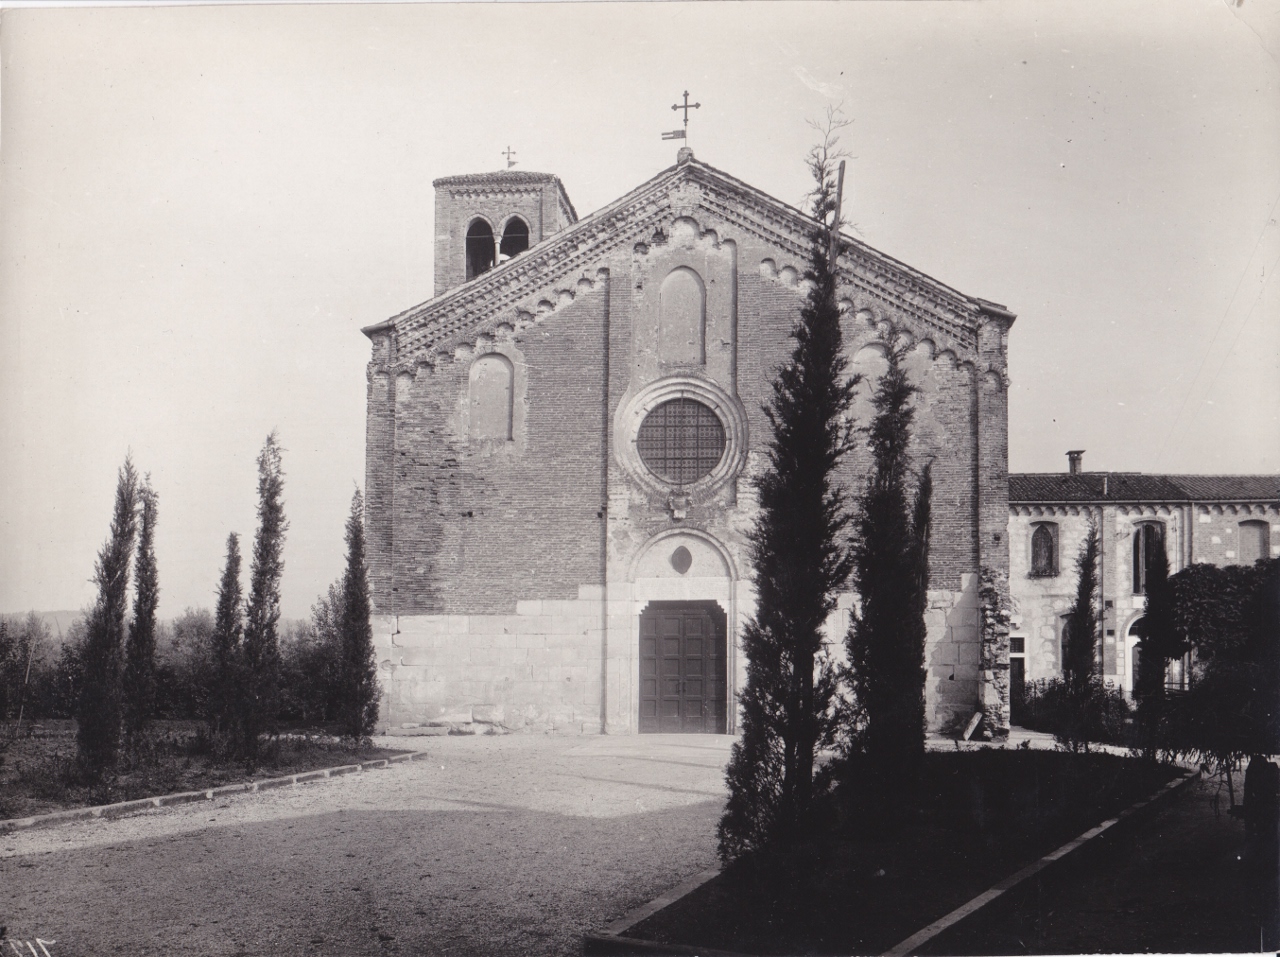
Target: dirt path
[502,845]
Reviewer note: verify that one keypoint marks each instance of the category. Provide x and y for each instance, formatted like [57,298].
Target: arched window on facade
[479,248]
[1044,550]
[871,362]
[1255,541]
[489,397]
[1148,547]
[515,239]
[682,318]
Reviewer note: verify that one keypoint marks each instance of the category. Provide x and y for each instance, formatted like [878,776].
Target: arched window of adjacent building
[682,318]
[479,248]
[1255,541]
[489,397]
[1044,550]
[515,239]
[1148,547]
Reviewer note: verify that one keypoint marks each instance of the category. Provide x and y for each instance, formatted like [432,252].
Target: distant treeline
[41,675]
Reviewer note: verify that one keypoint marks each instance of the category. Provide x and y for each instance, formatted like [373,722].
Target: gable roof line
[532,265]
[524,262]
[803,222]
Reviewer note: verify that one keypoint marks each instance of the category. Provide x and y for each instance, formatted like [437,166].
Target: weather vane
[508,153]
[686,106]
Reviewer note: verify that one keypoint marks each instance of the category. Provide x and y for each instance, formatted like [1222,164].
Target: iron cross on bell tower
[686,106]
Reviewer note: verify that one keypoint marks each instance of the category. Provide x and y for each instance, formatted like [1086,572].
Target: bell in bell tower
[485,219]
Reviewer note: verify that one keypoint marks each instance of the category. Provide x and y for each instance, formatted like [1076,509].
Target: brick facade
[509,572]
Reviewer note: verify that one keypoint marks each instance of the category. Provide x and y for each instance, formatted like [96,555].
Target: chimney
[1073,458]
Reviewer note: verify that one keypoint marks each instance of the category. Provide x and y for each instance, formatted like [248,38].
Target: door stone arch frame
[625,600]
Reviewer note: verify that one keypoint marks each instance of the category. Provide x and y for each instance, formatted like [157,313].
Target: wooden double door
[683,685]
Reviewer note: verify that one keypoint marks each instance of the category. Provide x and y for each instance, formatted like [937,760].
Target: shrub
[184,669]
[1100,714]
[26,655]
[309,652]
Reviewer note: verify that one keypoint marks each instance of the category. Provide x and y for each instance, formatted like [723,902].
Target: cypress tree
[1080,647]
[261,646]
[140,648]
[359,693]
[224,657]
[799,559]
[886,637]
[98,709]
[1155,647]
[1080,643]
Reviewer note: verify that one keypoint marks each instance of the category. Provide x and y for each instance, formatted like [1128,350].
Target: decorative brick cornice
[506,181]
[552,270]
[1143,509]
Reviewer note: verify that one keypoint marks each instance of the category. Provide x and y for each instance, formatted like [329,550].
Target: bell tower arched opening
[480,251]
[515,239]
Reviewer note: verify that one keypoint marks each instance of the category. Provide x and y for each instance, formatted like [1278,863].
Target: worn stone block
[488,713]
[451,718]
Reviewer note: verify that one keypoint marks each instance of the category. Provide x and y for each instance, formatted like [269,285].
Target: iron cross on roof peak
[508,153]
[686,106]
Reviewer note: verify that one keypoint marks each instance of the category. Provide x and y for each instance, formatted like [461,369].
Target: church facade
[561,446]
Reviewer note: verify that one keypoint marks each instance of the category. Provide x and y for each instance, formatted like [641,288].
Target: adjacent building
[1218,519]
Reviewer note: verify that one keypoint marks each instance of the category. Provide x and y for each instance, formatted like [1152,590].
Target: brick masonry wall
[480,525]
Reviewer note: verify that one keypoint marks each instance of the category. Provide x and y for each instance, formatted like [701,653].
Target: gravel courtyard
[496,845]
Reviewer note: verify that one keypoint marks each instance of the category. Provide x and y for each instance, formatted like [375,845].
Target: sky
[201,206]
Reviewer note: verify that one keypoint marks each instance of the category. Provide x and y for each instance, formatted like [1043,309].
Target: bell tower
[484,219]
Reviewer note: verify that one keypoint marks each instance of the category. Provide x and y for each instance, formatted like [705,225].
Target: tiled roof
[496,176]
[1139,487]
[1229,487]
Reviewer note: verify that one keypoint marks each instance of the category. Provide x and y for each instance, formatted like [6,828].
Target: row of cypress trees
[244,697]
[118,692]
[117,700]
[808,540]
